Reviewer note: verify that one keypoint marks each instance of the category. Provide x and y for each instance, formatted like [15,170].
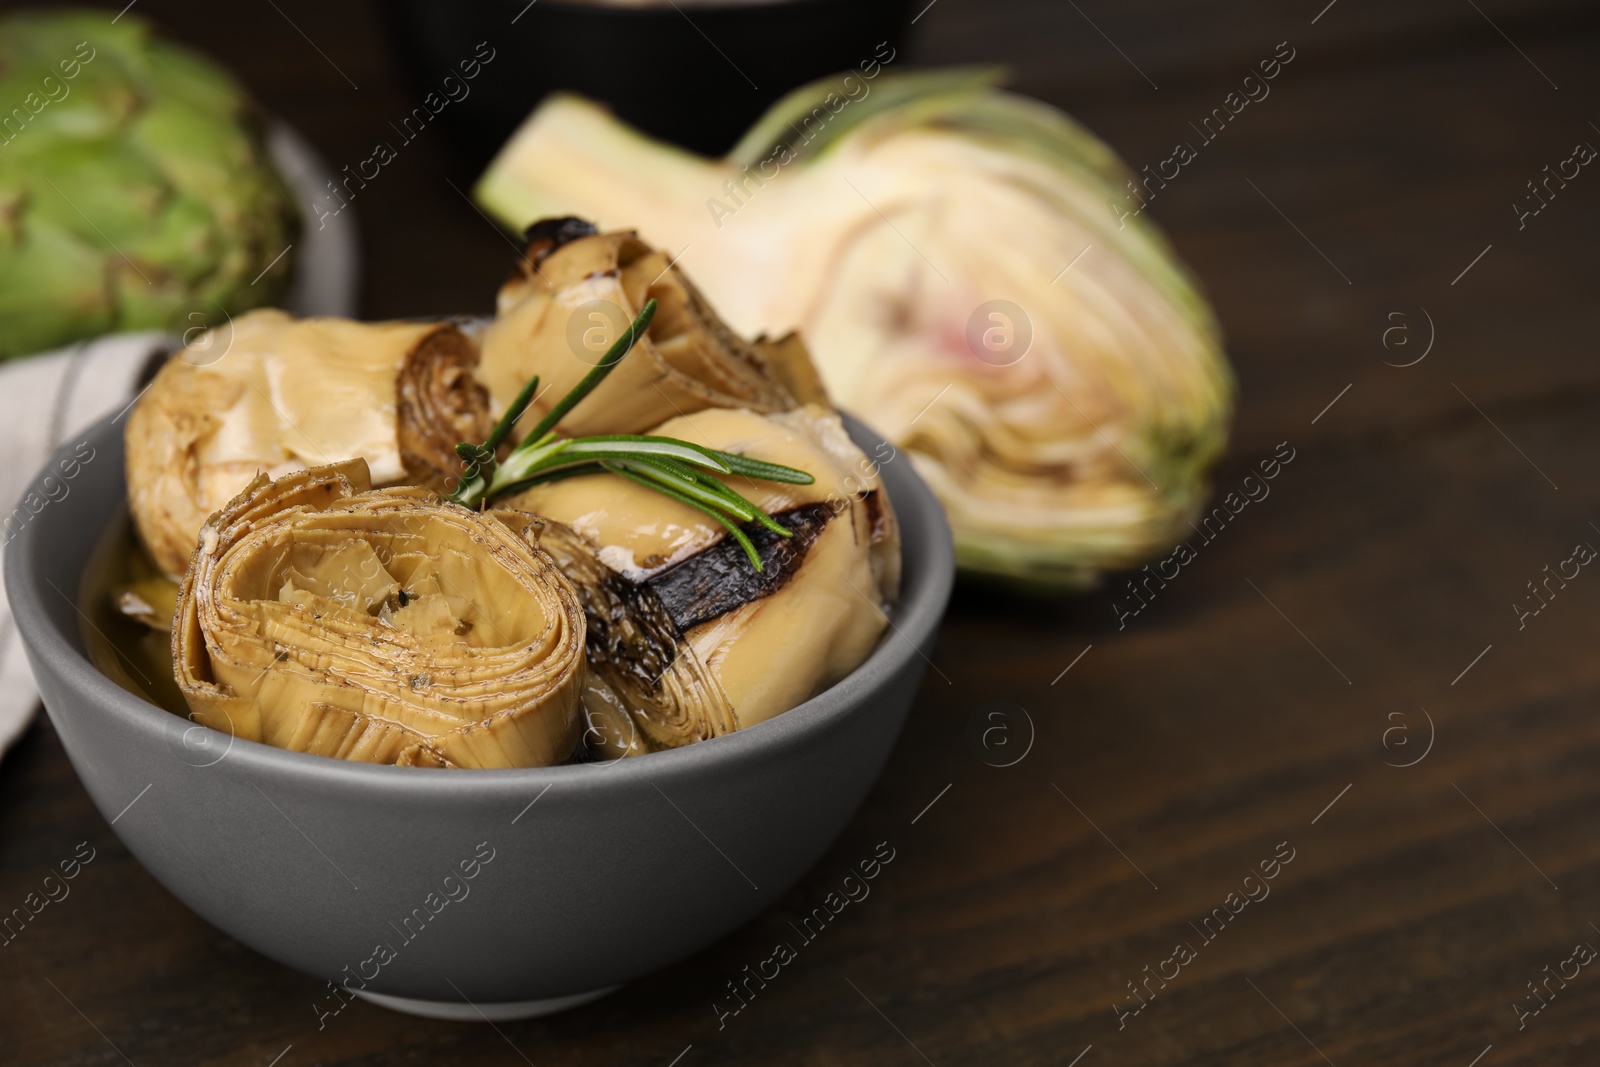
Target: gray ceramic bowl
[582,877]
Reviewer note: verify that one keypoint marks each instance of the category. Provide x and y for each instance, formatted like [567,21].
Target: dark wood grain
[1176,753]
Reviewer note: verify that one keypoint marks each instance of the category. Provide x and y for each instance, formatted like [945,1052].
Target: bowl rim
[925,591]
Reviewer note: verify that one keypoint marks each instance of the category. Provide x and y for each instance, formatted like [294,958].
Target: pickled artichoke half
[685,639]
[272,394]
[574,296]
[384,626]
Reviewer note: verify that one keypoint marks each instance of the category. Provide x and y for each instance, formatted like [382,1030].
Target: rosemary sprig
[480,459]
[674,468]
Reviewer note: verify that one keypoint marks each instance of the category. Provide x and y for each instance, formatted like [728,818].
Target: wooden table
[1358,619]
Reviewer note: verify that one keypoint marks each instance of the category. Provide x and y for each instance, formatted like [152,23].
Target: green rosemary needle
[676,469]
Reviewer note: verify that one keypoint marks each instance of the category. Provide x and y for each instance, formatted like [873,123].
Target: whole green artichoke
[134,184]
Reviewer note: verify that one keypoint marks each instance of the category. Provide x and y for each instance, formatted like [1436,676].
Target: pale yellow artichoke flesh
[818,620]
[383,626]
[270,394]
[565,308]
[645,690]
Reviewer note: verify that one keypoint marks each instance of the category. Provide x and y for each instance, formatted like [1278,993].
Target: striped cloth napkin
[48,399]
[45,402]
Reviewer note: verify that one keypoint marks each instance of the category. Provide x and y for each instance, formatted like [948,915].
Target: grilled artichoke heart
[384,626]
[575,295]
[275,394]
[685,639]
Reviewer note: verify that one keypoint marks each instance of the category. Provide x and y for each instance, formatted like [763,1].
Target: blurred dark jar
[696,72]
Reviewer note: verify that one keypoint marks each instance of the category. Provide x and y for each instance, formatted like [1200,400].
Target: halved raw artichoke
[975,274]
[271,393]
[684,636]
[384,626]
[574,296]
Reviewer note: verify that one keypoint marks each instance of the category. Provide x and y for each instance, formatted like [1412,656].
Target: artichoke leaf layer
[683,633]
[379,625]
[569,303]
[270,394]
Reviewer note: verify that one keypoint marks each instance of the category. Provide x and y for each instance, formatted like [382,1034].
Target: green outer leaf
[782,124]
